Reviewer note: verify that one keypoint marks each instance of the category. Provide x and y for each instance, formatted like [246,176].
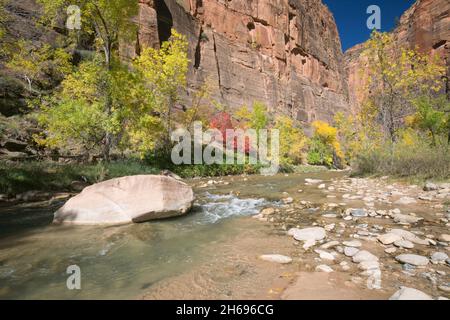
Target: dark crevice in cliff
[198,50]
[165,21]
[217,64]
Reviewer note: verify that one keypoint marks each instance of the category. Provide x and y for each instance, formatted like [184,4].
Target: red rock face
[285,53]
[425,25]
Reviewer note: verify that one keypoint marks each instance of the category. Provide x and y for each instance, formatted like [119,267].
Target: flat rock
[444,237]
[369,265]
[404,244]
[413,259]
[330,244]
[406,219]
[325,255]
[313,181]
[277,258]
[358,213]
[439,257]
[407,235]
[267,211]
[389,238]
[127,200]
[364,255]
[309,234]
[406,293]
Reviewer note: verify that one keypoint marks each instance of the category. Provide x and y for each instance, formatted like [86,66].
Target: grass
[416,163]
[19,177]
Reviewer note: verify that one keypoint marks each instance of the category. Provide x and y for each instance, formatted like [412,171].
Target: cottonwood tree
[164,72]
[108,21]
[396,76]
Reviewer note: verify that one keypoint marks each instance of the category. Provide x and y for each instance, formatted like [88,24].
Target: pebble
[358,213]
[406,219]
[277,258]
[369,265]
[444,237]
[413,259]
[267,211]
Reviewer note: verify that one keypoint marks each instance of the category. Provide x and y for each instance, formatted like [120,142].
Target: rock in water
[406,293]
[277,258]
[413,259]
[126,200]
[309,234]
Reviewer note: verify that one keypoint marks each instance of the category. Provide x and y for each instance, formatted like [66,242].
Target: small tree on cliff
[396,76]
[107,21]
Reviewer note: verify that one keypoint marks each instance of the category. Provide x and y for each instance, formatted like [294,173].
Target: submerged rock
[324,268]
[277,258]
[308,234]
[127,200]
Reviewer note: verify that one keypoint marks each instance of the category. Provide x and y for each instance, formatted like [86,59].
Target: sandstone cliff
[425,25]
[285,53]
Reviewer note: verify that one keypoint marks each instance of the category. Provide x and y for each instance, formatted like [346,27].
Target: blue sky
[351,17]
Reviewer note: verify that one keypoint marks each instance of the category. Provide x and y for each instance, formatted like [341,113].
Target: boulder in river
[127,200]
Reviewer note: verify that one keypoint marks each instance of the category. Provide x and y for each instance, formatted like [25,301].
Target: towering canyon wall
[425,25]
[285,53]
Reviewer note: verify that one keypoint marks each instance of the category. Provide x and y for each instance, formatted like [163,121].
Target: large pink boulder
[127,200]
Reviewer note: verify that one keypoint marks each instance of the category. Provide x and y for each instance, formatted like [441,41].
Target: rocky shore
[389,237]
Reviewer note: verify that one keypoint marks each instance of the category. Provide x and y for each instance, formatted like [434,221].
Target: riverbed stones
[413,259]
[407,235]
[325,255]
[444,237]
[369,265]
[276,258]
[358,213]
[330,244]
[127,200]
[406,293]
[313,181]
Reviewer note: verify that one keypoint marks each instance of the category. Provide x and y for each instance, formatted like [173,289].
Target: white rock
[413,259]
[407,235]
[404,244]
[277,258]
[350,251]
[389,238]
[390,250]
[267,211]
[406,293]
[439,257]
[364,255]
[322,186]
[324,268]
[127,200]
[369,265]
[309,234]
[325,255]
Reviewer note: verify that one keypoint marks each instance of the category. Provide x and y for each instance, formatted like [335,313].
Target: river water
[209,253]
